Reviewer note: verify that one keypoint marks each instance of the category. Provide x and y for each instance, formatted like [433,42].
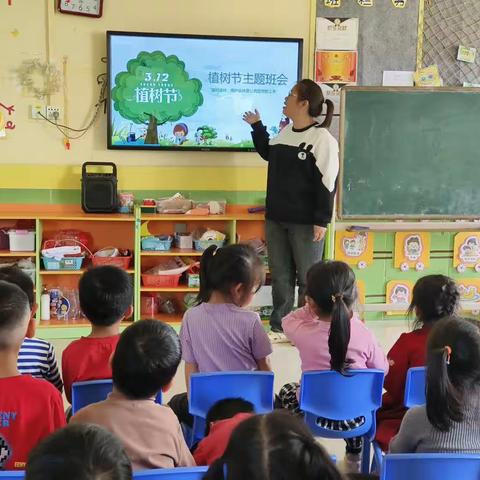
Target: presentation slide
[190,92]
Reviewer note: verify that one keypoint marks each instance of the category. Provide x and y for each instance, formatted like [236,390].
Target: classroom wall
[34,164]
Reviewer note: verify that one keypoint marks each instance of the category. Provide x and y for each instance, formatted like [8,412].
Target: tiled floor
[286,365]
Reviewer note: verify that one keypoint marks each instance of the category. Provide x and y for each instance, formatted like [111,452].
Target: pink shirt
[310,335]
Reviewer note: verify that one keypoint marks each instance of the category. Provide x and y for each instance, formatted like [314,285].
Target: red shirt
[30,410]
[87,359]
[214,444]
[409,351]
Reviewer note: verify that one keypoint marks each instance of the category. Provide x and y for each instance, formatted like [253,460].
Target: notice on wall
[337,33]
[336,67]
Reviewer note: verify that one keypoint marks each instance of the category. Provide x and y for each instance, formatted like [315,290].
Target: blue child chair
[425,466]
[12,475]
[190,473]
[415,387]
[328,394]
[208,388]
[85,393]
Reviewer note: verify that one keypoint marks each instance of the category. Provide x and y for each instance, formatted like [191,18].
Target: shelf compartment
[8,253]
[72,272]
[174,252]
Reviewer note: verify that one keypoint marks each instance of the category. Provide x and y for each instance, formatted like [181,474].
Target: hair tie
[337,296]
[448,352]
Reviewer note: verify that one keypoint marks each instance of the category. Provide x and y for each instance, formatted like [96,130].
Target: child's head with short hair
[20,278]
[274,446]
[331,292]
[227,408]
[234,271]
[15,321]
[453,370]
[79,452]
[106,295]
[146,359]
[434,297]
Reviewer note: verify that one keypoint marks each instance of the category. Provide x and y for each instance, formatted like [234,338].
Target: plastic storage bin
[160,281]
[21,240]
[66,263]
[120,262]
[202,245]
[158,243]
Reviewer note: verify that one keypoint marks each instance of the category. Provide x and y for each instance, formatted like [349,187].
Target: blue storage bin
[66,263]
[202,245]
[157,243]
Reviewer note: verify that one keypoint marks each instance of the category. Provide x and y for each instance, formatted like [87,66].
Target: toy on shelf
[126,202]
[149,205]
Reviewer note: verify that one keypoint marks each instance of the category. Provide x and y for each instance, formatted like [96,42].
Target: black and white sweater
[302,173]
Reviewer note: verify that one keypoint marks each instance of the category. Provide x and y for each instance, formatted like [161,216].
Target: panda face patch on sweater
[304,150]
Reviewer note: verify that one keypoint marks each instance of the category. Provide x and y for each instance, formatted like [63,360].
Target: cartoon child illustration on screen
[400,294]
[180,132]
[470,250]
[413,248]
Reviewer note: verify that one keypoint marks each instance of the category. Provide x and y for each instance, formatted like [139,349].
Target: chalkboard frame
[343,107]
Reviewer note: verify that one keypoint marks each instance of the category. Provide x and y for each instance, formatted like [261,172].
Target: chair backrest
[415,387]
[85,393]
[191,473]
[208,388]
[328,394]
[425,466]
[12,475]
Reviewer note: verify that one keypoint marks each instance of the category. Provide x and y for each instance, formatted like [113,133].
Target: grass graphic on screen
[154,90]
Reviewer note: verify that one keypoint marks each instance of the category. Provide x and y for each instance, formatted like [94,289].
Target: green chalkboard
[410,152]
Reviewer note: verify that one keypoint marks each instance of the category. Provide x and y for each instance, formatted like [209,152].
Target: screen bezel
[113,33]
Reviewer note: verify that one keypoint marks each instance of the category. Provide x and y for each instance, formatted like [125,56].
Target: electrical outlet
[52,113]
[35,110]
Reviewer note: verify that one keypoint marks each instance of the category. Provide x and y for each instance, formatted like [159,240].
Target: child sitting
[450,420]
[106,297]
[276,446]
[434,297]
[221,420]
[145,362]
[79,452]
[36,356]
[329,336]
[30,409]
[219,334]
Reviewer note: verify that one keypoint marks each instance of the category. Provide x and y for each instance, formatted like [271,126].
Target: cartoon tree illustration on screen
[156,89]
[207,133]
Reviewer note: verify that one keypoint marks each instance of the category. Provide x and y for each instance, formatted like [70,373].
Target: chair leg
[377,460]
[366,456]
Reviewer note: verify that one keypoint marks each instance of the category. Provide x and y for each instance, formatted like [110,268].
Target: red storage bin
[160,281]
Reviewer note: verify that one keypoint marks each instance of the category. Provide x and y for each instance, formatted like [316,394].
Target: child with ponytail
[302,178]
[276,446]
[434,297]
[450,420]
[220,334]
[329,336]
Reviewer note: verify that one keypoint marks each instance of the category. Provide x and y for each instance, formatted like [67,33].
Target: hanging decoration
[354,248]
[39,78]
[6,124]
[399,3]
[365,3]
[466,251]
[412,250]
[399,292]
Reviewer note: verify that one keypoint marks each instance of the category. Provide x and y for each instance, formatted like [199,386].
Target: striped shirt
[37,358]
[223,337]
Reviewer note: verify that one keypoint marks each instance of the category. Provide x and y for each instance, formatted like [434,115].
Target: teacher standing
[302,177]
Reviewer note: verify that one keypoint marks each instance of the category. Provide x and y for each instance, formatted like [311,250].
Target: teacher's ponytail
[308,90]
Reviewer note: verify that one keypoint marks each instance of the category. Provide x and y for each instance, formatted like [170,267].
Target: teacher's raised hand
[251,117]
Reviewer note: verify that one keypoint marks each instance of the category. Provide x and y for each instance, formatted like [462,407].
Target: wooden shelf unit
[112,229]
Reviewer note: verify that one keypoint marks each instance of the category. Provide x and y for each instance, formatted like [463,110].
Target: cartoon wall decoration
[354,248]
[412,250]
[4,123]
[399,3]
[399,292]
[333,3]
[365,3]
[466,251]
[469,289]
